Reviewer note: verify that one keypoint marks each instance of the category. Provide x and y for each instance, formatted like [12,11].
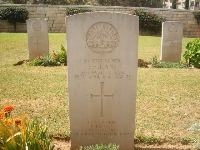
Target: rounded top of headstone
[102,37]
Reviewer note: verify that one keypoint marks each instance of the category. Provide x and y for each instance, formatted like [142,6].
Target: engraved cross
[172,46]
[37,42]
[102,96]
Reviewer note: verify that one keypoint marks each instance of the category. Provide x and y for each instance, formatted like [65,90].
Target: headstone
[102,71]
[38,40]
[171,43]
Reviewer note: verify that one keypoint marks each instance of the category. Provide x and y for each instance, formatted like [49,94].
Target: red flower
[54,55]
[17,121]
[8,108]
[2,114]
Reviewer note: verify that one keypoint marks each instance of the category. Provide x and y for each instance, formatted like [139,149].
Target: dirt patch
[62,145]
[22,62]
[65,145]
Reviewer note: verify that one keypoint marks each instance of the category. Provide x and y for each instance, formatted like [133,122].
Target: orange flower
[8,108]
[8,121]
[17,121]
[54,55]
[2,115]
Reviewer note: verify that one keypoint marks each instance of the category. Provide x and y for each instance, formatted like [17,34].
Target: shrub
[197,16]
[73,11]
[54,59]
[192,54]
[149,21]
[47,60]
[14,15]
[187,4]
[22,133]
[174,4]
[100,147]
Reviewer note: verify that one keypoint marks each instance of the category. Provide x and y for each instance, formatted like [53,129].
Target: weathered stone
[38,40]
[102,71]
[171,44]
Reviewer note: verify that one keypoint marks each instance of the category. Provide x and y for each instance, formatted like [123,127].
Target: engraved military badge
[102,37]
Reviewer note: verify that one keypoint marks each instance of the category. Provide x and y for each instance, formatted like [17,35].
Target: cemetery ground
[167,104]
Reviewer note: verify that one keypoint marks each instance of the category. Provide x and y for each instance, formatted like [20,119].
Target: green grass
[168,100]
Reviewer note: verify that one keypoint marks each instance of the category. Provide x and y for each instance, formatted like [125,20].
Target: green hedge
[14,15]
[73,11]
[149,21]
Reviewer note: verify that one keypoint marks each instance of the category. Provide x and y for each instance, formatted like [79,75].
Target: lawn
[168,100]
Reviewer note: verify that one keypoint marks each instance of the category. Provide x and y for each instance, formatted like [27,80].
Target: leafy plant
[196,128]
[162,64]
[38,137]
[154,61]
[174,4]
[61,56]
[147,140]
[149,21]
[100,147]
[14,15]
[192,54]
[47,60]
[73,11]
[54,59]
[186,140]
[19,1]
[22,133]
[197,145]
[186,4]
[197,16]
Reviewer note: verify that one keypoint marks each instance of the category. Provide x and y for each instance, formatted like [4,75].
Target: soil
[65,145]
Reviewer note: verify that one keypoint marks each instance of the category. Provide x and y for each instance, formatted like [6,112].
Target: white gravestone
[38,40]
[102,59]
[171,43]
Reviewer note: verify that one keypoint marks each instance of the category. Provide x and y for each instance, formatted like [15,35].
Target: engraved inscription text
[102,69]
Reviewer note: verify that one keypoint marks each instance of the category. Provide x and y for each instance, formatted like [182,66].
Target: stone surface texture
[38,40]
[102,71]
[171,42]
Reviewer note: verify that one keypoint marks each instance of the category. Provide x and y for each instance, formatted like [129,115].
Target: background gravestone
[38,40]
[171,43]
[102,70]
